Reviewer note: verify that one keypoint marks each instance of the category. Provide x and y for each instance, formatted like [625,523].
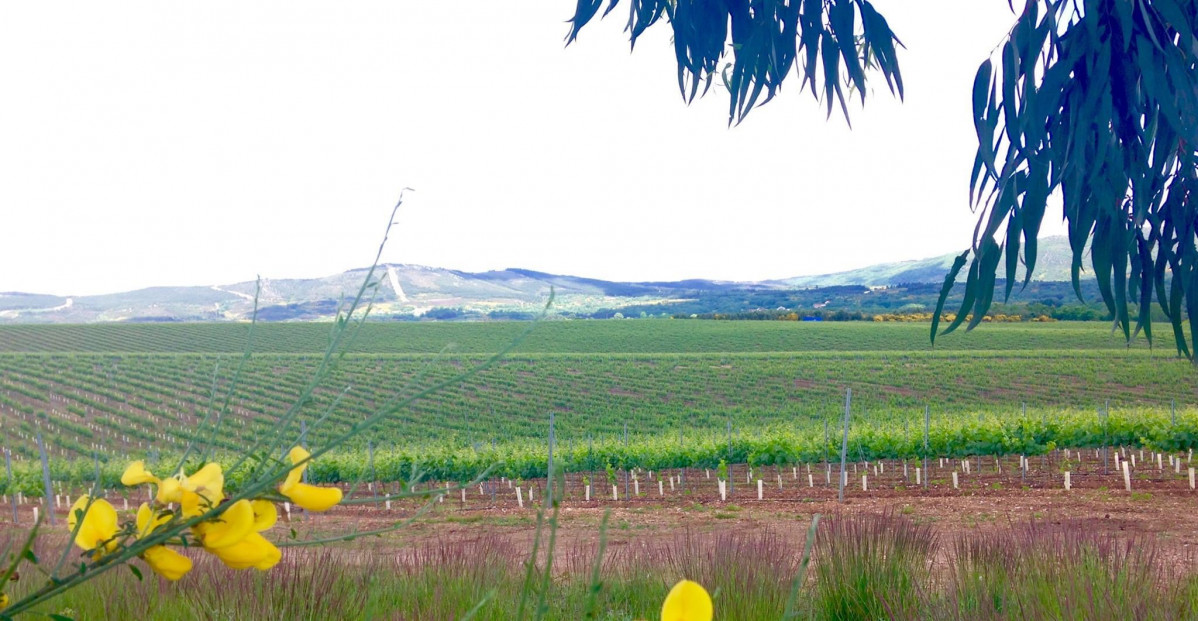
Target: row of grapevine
[801,443]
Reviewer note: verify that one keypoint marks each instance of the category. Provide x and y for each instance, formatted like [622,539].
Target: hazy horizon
[180,145]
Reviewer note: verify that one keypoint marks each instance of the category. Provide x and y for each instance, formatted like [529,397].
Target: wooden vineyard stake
[927,423]
[549,476]
[844,446]
[8,467]
[730,477]
[41,448]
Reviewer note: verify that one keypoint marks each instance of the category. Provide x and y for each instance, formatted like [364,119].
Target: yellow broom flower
[310,497]
[136,474]
[252,551]
[233,537]
[196,494]
[228,528]
[98,531]
[164,561]
[3,601]
[687,601]
[202,490]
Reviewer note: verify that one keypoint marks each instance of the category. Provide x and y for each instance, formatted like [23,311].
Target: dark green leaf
[947,287]
[970,294]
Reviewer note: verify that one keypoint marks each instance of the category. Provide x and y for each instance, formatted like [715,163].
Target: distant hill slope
[1053,261]
[415,291]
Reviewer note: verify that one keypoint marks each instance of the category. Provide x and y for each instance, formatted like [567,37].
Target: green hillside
[1053,264]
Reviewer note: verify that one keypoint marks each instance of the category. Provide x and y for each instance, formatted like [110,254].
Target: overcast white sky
[167,143]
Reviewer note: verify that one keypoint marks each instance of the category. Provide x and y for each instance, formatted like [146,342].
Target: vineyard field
[577,336]
[774,400]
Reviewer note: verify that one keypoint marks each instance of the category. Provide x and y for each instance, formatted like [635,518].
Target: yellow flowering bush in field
[230,531]
[233,533]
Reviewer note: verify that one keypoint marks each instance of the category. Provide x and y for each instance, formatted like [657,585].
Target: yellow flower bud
[252,551]
[136,474]
[310,497]
[166,562]
[687,601]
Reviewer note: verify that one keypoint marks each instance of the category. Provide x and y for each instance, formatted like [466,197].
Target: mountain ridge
[408,291]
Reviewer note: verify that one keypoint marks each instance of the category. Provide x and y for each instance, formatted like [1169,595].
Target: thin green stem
[791,611]
[596,584]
